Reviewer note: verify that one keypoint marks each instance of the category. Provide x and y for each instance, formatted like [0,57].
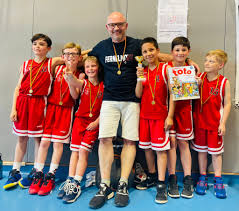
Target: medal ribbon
[202,103]
[30,69]
[153,92]
[62,94]
[119,63]
[92,105]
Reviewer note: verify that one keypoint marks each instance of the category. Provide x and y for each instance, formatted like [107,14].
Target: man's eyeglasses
[113,25]
[70,54]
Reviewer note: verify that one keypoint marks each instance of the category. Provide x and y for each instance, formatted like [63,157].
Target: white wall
[211,26]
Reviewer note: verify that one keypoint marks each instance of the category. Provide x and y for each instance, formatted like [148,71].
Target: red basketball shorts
[30,116]
[182,126]
[207,141]
[152,135]
[82,138]
[58,124]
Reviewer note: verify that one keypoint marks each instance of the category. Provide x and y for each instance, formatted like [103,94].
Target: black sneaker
[173,186]
[73,191]
[105,193]
[161,196]
[122,195]
[187,187]
[148,183]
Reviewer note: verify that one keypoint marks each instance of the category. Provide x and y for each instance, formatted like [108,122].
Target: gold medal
[33,79]
[90,115]
[116,56]
[60,103]
[151,89]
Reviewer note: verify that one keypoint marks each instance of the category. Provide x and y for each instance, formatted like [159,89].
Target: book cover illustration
[183,83]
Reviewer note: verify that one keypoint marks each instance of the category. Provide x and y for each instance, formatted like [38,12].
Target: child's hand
[168,123]
[221,129]
[13,116]
[68,75]
[192,63]
[140,71]
[199,80]
[82,76]
[92,125]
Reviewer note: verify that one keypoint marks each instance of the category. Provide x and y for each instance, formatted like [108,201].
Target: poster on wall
[172,20]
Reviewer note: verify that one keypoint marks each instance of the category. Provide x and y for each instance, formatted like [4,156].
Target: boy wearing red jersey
[182,131]
[58,122]
[210,116]
[155,117]
[29,103]
[85,128]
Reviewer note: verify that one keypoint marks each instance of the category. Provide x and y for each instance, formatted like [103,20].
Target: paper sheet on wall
[172,19]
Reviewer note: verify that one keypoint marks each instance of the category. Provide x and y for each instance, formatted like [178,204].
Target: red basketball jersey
[210,114]
[159,110]
[41,77]
[84,104]
[60,89]
[181,105]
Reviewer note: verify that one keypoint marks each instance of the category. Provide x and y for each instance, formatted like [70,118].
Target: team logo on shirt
[86,91]
[157,78]
[58,78]
[100,94]
[44,69]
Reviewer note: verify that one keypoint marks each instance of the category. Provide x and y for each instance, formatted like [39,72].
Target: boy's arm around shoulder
[56,61]
[59,60]
[163,57]
[13,115]
[169,119]
[226,110]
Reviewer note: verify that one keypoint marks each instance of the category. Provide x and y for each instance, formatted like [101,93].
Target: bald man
[116,55]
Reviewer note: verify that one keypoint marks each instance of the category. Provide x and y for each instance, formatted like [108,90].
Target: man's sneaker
[13,179]
[64,187]
[148,183]
[187,187]
[36,183]
[202,185]
[122,195]
[105,193]
[173,186]
[161,196]
[48,184]
[27,181]
[73,191]
[219,188]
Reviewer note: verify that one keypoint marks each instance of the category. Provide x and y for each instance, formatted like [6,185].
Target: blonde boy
[210,116]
